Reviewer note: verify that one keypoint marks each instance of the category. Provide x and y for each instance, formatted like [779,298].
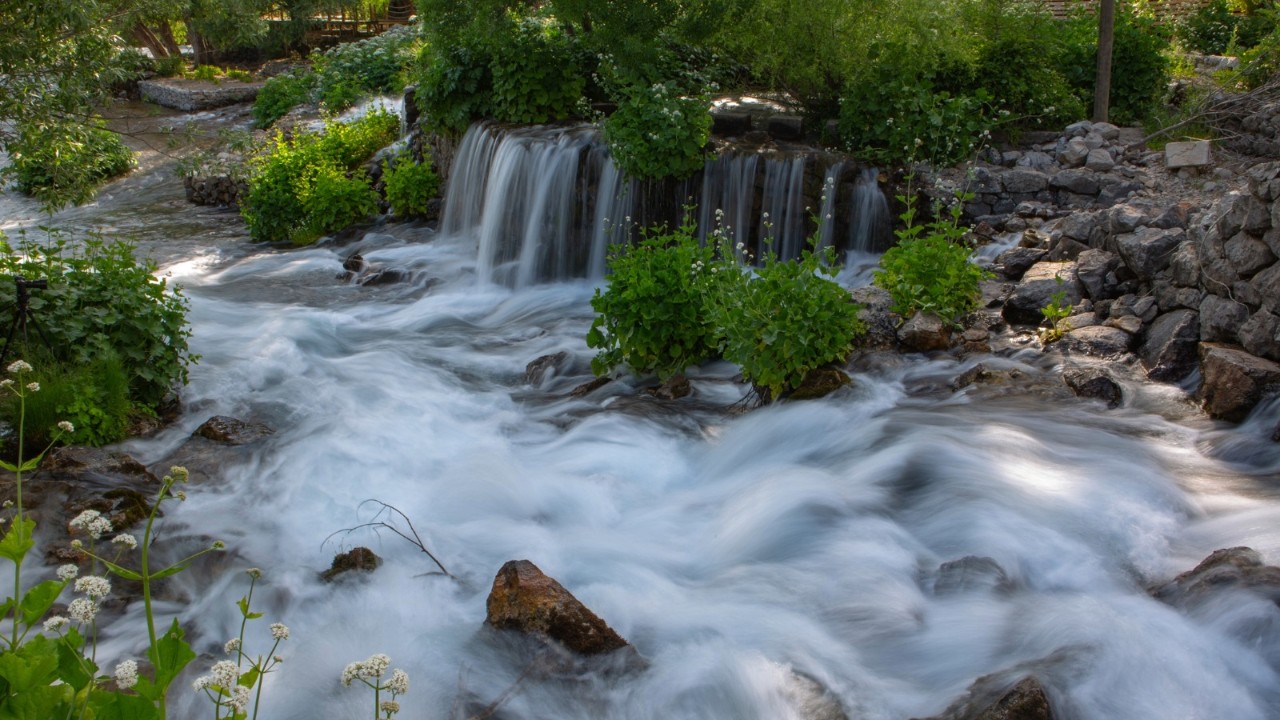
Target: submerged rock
[811,700]
[1234,380]
[989,698]
[820,382]
[361,558]
[538,369]
[526,600]
[971,573]
[231,431]
[1237,567]
[1094,382]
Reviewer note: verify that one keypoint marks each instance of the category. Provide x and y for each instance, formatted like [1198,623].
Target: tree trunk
[1106,40]
[143,35]
[165,31]
[200,47]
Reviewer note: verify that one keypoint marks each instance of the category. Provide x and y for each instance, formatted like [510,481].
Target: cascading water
[738,552]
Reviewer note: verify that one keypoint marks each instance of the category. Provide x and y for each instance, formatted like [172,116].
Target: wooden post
[1106,39]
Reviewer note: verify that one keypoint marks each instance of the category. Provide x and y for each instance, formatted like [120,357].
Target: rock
[1092,269]
[1131,324]
[527,601]
[1126,218]
[1148,250]
[538,369]
[1021,180]
[352,266]
[360,559]
[1221,319]
[1014,262]
[1232,210]
[1260,180]
[1080,182]
[1187,154]
[1237,567]
[1087,319]
[881,323]
[1170,350]
[1248,255]
[1234,381]
[819,382]
[590,386]
[1257,219]
[1260,335]
[1109,132]
[387,276]
[1095,383]
[811,700]
[730,124]
[1174,216]
[991,697]
[1098,341]
[673,389]
[786,127]
[924,332]
[1082,226]
[1267,283]
[1066,249]
[1074,153]
[1184,266]
[971,574]
[1036,160]
[1099,160]
[1037,288]
[230,431]
[1143,307]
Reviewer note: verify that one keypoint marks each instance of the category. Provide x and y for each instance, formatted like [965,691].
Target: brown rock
[820,382]
[673,389]
[230,431]
[361,558]
[1237,567]
[527,601]
[1234,380]
[985,700]
[924,332]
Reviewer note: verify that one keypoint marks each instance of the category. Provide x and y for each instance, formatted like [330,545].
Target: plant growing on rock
[1055,314]
[656,132]
[930,268]
[409,185]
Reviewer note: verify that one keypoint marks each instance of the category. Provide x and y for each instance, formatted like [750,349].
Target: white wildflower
[399,682]
[7,382]
[351,672]
[232,645]
[239,701]
[225,673]
[68,572]
[390,707]
[33,386]
[279,631]
[93,586]
[66,426]
[126,540]
[92,522]
[82,610]
[376,665]
[126,674]
[19,366]
[254,572]
[55,623]
[201,683]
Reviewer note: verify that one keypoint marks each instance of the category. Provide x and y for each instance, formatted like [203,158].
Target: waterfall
[545,203]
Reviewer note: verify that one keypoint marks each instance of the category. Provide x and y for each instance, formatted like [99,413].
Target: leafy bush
[93,397]
[655,316]
[1261,63]
[785,319]
[279,95]
[339,95]
[1019,72]
[409,185]
[208,73]
[297,186]
[373,65]
[103,305]
[1142,70]
[453,89]
[536,75]
[1209,29]
[929,269]
[656,132]
[899,122]
[66,162]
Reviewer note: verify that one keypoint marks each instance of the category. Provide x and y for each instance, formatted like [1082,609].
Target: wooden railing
[1165,9]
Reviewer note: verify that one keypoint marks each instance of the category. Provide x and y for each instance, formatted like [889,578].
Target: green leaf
[170,655]
[73,667]
[120,706]
[17,540]
[39,599]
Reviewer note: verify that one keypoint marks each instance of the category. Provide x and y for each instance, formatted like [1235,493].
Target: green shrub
[208,73]
[171,66]
[905,121]
[299,187]
[409,185]
[929,269]
[340,95]
[536,76]
[373,65]
[1141,73]
[66,162]
[103,306]
[656,133]
[94,398]
[785,319]
[1261,63]
[1209,29]
[279,95]
[454,87]
[1019,72]
[655,314]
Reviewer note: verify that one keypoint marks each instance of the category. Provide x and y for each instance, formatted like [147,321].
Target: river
[734,550]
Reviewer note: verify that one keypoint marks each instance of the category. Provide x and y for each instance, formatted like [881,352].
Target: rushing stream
[734,551]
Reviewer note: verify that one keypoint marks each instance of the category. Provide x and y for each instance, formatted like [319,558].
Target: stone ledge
[197,96]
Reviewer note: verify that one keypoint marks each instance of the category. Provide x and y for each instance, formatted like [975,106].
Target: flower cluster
[91,522]
[374,667]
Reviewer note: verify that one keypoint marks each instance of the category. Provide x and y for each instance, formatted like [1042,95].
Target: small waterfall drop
[871,224]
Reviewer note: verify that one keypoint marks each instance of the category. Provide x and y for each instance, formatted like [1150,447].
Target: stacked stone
[215,190]
[190,99]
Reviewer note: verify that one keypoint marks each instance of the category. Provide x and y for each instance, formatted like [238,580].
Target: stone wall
[190,96]
[215,190]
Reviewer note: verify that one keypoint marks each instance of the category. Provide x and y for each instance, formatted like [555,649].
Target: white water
[729,549]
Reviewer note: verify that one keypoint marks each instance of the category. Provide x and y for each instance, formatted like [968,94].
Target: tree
[1106,40]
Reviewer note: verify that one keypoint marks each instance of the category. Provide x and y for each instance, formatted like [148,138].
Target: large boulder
[1260,335]
[1095,269]
[991,698]
[1234,381]
[1148,250]
[924,332]
[1267,283]
[1095,383]
[1098,341]
[1038,286]
[526,600]
[1221,319]
[1248,254]
[1169,352]
[1237,567]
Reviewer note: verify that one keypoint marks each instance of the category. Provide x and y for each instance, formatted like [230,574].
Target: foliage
[299,188]
[208,73]
[1261,63]
[1055,313]
[656,132]
[229,687]
[372,65]
[1209,29]
[897,122]
[785,319]
[65,162]
[93,397]
[1020,75]
[103,303]
[1142,68]
[929,269]
[654,317]
[409,185]
[454,86]
[278,96]
[536,76]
